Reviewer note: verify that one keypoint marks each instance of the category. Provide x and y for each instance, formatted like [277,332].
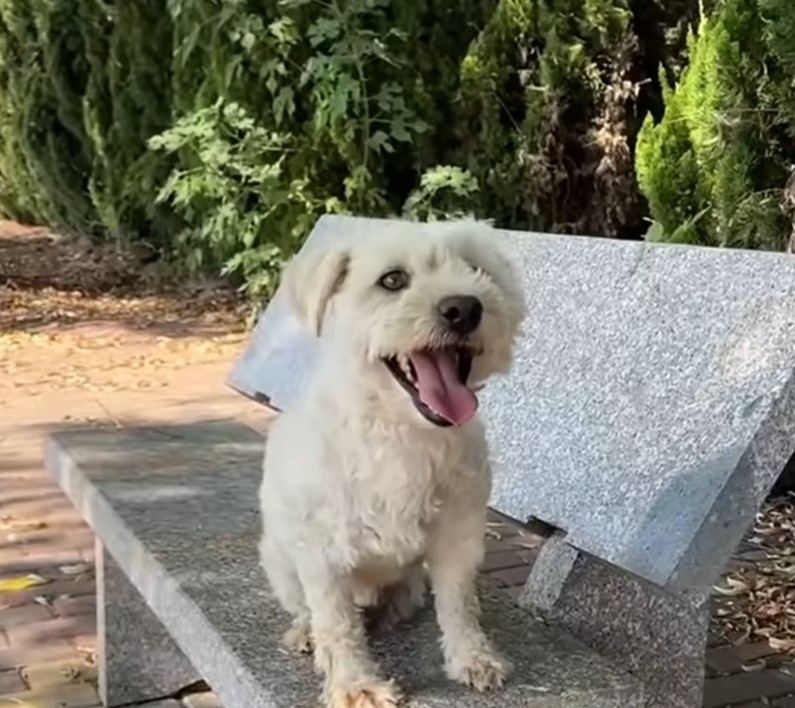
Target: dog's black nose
[461,313]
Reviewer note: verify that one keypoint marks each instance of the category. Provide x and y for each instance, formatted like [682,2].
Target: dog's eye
[394,280]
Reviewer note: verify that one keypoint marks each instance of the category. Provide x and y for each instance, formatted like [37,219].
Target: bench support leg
[657,636]
[138,660]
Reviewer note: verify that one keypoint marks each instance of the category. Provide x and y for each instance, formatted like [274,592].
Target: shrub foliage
[216,131]
[716,169]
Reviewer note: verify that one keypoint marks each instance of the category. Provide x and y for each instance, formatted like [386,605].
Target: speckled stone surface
[651,406]
[137,659]
[177,509]
[660,637]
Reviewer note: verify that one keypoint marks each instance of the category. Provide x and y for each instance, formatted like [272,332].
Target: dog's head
[420,320]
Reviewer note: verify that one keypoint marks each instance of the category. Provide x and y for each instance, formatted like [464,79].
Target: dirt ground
[78,320]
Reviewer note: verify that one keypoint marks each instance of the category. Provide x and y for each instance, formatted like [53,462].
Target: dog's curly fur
[363,494]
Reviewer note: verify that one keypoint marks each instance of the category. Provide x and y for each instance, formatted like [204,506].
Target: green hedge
[716,168]
[217,131]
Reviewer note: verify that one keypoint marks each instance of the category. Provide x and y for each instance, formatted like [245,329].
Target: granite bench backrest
[651,405]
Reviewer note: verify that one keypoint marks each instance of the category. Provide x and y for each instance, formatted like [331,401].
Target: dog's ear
[311,279]
[478,243]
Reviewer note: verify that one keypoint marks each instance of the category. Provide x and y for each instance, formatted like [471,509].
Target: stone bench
[182,596]
[649,412]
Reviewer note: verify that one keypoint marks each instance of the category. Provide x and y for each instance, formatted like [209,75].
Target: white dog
[380,471]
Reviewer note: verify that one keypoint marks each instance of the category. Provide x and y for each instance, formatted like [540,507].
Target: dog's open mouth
[436,380]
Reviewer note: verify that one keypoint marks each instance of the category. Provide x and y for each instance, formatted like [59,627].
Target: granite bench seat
[182,596]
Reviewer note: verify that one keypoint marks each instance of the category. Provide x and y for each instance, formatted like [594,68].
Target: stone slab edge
[192,633]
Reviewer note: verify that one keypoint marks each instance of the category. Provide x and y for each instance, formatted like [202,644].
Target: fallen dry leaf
[755,599]
[780,644]
[22,582]
[75,569]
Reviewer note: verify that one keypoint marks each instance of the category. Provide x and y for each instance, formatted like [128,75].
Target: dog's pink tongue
[440,388]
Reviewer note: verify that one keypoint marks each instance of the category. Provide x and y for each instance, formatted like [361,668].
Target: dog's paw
[482,670]
[299,637]
[372,694]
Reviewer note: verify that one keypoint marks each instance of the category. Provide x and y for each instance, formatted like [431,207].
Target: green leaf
[284,31]
[380,140]
[284,104]
[324,29]
[655,232]
[249,237]
[398,131]
[344,92]
[248,41]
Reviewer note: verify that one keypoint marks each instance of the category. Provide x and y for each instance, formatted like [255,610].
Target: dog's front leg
[352,678]
[454,556]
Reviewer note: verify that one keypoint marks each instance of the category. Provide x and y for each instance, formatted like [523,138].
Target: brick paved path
[107,376]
